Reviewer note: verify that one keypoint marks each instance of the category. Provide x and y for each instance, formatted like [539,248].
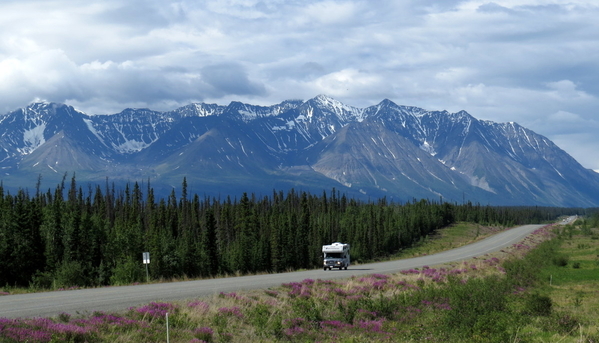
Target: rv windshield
[333,255]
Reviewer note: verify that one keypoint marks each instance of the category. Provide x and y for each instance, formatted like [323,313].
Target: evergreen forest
[95,235]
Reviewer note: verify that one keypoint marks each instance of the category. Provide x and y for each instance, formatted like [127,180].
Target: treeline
[75,237]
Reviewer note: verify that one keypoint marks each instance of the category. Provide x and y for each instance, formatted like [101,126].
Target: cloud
[44,74]
[529,61]
[230,78]
[328,13]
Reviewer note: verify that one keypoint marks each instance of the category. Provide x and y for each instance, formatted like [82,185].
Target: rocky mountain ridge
[399,152]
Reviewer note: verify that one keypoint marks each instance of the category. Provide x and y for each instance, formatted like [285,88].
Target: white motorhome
[336,255]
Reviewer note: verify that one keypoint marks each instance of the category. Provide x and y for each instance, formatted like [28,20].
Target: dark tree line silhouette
[75,237]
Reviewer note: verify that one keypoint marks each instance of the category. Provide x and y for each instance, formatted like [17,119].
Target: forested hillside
[91,236]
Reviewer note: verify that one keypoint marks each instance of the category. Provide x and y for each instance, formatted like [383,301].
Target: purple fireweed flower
[294,331]
[340,292]
[305,293]
[271,293]
[333,325]
[228,295]
[380,276]
[155,309]
[456,271]
[298,289]
[231,311]
[357,290]
[291,284]
[44,330]
[438,278]
[408,287]
[308,282]
[294,322]
[371,326]
[200,305]
[443,306]
[379,285]
[203,333]
[371,314]
[100,319]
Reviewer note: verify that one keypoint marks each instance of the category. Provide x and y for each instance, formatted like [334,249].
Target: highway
[113,299]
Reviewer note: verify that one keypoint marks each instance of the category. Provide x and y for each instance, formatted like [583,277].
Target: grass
[487,299]
[574,287]
[449,238]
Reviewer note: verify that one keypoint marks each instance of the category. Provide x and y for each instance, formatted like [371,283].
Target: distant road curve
[112,299]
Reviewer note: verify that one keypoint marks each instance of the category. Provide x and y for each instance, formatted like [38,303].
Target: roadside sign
[146,257]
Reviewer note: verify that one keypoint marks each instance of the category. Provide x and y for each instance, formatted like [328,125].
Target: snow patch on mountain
[204,110]
[248,115]
[481,182]
[92,129]
[33,138]
[428,148]
[131,146]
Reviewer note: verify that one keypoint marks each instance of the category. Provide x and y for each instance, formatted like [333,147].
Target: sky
[534,62]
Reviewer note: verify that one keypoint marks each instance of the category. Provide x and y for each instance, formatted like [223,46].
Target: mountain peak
[345,113]
[43,106]
[323,98]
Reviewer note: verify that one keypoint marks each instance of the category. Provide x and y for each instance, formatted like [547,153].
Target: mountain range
[386,150]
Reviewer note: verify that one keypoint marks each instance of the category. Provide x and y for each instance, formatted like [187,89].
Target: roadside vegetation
[543,289]
[76,237]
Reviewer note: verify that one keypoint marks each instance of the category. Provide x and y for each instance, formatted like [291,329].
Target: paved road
[121,298]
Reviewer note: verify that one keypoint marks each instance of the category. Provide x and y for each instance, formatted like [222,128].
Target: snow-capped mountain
[399,152]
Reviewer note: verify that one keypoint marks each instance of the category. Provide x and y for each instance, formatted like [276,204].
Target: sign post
[146,259]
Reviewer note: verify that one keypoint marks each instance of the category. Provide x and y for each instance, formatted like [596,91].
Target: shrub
[473,300]
[537,305]
[307,308]
[494,327]
[127,271]
[560,260]
[70,274]
[42,280]
[562,323]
